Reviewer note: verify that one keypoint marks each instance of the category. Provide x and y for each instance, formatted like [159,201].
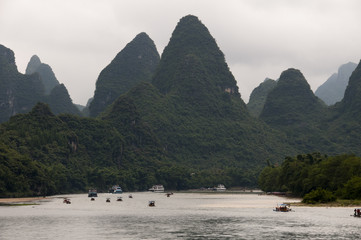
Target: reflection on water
[182,216]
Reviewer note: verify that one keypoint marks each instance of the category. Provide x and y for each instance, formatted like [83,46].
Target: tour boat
[157,188]
[282,208]
[92,193]
[220,188]
[118,190]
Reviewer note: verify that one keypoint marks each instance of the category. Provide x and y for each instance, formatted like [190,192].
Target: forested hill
[195,109]
[134,64]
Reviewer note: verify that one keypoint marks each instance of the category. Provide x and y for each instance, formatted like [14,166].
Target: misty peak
[33,65]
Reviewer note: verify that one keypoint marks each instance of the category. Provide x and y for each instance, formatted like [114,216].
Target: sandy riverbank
[20,200]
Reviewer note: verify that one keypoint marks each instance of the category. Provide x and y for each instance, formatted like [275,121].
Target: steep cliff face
[18,92]
[333,89]
[134,64]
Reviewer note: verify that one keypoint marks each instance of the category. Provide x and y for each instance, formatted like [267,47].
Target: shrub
[319,196]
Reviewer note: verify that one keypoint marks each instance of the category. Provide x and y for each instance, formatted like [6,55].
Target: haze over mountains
[177,120]
[333,89]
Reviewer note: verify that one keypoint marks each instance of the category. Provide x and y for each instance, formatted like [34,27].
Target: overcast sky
[260,38]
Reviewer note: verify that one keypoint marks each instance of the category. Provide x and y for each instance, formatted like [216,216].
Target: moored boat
[92,193]
[118,190]
[220,188]
[157,188]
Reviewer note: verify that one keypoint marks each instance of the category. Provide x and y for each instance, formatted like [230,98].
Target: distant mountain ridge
[333,89]
[18,92]
[47,75]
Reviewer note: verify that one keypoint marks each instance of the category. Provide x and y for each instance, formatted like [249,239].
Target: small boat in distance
[92,193]
[357,212]
[151,204]
[67,201]
[220,188]
[108,200]
[282,208]
[157,188]
[119,199]
[116,189]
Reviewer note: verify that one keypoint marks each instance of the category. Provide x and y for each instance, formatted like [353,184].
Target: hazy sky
[260,38]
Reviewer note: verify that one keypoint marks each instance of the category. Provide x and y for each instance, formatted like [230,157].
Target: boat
[67,201]
[282,208]
[119,199]
[357,212]
[130,196]
[108,200]
[117,190]
[157,188]
[92,193]
[151,204]
[220,188]
[92,199]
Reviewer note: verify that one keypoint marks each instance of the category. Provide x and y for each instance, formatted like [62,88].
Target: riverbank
[337,203]
[21,201]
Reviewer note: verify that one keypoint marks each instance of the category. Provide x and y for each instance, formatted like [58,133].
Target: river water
[180,216]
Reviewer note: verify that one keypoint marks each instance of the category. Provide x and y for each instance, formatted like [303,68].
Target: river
[180,216]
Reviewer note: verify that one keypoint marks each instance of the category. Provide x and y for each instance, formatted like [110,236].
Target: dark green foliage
[18,92]
[258,97]
[60,101]
[134,64]
[319,196]
[303,174]
[292,108]
[352,189]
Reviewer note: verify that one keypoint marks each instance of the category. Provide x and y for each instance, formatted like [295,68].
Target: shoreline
[20,200]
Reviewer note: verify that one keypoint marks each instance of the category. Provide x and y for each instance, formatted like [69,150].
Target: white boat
[220,188]
[157,188]
[118,190]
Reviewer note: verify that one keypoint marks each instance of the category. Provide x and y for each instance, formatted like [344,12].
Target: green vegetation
[259,95]
[134,64]
[180,123]
[315,177]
